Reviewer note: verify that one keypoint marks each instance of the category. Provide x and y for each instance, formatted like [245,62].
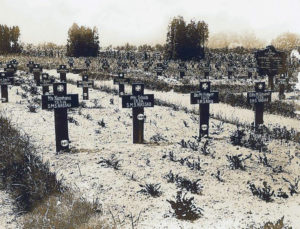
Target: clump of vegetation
[237,162]
[112,162]
[293,187]
[151,189]
[32,108]
[265,193]
[102,123]
[23,173]
[185,208]
[65,211]
[194,187]
[278,225]
[237,137]
[157,138]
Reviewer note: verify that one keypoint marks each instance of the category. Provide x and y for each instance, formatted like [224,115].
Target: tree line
[82,41]
[186,41]
[9,39]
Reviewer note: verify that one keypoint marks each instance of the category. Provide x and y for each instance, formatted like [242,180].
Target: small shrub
[110,163]
[32,108]
[237,162]
[265,193]
[185,208]
[237,137]
[151,189]
[278,225]
[293,187]
[102,123]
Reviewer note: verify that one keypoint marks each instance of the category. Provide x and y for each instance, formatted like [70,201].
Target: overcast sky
[146,21]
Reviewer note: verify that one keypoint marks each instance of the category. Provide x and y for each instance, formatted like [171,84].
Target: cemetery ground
[135,184]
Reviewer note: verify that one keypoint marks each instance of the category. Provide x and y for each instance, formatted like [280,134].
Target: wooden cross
[182,68]
[258,98]
[230,70]
[87,62]
[121,81]
[146,66]
[159,69]
[71,62]
[60,102]
[62,70]
[137,101]
[282,81]
[105,66]
[37,69]
[85,84]
[4,82]
[46,82]
[204,97]
[14,62]
[30,66]
[10,70]
[206,69]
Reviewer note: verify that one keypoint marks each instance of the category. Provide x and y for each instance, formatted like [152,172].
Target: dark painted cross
[182,69]
[37,70]
[62,70]
[105,65]
[258,98]
[87,62]
[10,70]
[146,66]
[30,66]
[204,97]
[206,70]
[159,69]
[14,62]
[282,81]
[230,70]
[85,84]
[4,82]
[46,82]
[121,82]
[60,101]
[71,62]
[137,101]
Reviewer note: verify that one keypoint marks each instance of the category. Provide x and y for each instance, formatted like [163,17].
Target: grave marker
[182,69]
[121,81]
[4,82]
[60,101]
[62,70]
[30,66]
[282,81]
[271,62]
[85,84]
[87,62]
[137,101]
[146,66]
[204,97]
[37,69]
[258,98]
[71,62]
[159,69]
[10,70]
[230,71]
[46,82]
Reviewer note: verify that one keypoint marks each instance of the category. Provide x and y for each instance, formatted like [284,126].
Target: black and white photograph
[141,114]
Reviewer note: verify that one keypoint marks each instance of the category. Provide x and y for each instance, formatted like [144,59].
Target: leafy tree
[9,39]
[82,41]
[186,41]
[287,41]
